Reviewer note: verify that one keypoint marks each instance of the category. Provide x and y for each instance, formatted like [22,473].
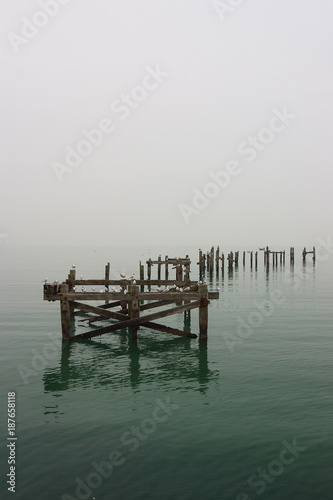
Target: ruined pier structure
[207,260]
[133,298]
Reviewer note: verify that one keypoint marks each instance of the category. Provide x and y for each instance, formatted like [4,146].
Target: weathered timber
[137,321]
[169,329]
[203,312]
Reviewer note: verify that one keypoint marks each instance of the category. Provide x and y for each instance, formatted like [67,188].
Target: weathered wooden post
[251,258]
[230,260]
[149,269]
[281,258]
[244,259]
[314,254]
[166,267]
[107,277]
[203,312]
[222,261]
[256,260]
[217,258]
[211,266]
[304,254]
[134,308]
[291,255]
[267,256]
[65,312]
[236,258]
[200,264]
[204,262]
[159,268]
[284,257]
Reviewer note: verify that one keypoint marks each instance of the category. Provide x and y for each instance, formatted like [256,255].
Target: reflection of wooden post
[203,312]
[65,312]
[134,309]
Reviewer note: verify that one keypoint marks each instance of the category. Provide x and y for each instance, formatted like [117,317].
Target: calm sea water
[247,415]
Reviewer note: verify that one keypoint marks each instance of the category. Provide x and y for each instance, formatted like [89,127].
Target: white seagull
[122,275]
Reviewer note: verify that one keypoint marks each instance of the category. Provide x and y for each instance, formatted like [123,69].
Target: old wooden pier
[132,298]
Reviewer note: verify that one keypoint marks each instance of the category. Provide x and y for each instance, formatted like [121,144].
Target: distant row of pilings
[218,260]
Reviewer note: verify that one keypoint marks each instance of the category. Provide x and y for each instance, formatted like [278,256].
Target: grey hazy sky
[226,71]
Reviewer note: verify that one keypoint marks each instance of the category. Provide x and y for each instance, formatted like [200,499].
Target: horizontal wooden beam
[168,329]
[180,283]
[171,296]
[97,310]
[137,321]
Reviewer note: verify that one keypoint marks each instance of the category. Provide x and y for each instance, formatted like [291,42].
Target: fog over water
[156,122]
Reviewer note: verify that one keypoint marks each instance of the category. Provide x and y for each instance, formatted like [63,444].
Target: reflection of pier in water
[127,364]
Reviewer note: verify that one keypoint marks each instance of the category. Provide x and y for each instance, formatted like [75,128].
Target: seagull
[199,283]
[122,275]
[181,289]
[177,288]
[73,266]
[186,289]
[101,291]
[45,281]
[125,292]
[106,289]
[134,282]
[132,277]
[93,289]
[55,282]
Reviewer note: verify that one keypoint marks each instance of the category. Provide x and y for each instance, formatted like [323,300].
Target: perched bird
[186,289]
[132,277]
[73,266]
[45,281]
[56,282]
[122,275]
[125,292]
[134,282]
[181,289]
[93,288]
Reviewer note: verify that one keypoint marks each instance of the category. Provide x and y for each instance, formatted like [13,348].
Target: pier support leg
[65,311]
[134,309]
[203,312]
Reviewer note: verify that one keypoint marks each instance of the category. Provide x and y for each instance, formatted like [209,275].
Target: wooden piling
[134,308]
[65,312]
[159,268]
[166,267]
[256,260]
[149,264]
[236,258]
[244,259]
[251,258]
[203,312]
[314,254]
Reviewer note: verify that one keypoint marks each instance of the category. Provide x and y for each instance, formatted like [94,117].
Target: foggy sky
[183,90]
